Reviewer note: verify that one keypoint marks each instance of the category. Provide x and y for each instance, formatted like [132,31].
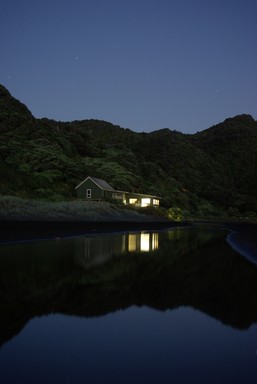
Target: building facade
[99,190]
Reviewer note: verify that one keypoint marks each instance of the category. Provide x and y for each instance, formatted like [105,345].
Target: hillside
[205,174]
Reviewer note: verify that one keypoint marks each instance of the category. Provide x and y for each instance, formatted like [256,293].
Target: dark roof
[101,183]
[107,187]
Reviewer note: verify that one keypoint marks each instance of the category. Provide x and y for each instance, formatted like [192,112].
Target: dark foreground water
[176,306]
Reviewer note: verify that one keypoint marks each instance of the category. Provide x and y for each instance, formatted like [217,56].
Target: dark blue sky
[141,64]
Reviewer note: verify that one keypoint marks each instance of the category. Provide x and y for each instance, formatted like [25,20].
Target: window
[156,202]
[145,202]
[132,201]
[89,193]
[117,196]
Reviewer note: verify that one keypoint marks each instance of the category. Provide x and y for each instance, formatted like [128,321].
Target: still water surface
[175,306]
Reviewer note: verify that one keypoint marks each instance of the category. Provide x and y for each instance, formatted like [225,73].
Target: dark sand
[242,237]
[16,231]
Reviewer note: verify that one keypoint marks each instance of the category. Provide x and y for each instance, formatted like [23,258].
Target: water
[176,306]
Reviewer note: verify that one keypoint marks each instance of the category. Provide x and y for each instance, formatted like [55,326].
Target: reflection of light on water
[155,241]
[132,242]
[97,250]
[175,234]
[124,248]
[145,242]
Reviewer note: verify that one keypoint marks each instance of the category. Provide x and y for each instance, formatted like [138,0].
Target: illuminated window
[145,202]
[132,201]
[145,242]
[89,192]
[156,202]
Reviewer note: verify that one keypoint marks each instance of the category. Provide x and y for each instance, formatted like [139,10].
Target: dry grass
[24,209]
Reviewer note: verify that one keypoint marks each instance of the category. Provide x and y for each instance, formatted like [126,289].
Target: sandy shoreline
[242,237]
[15,230]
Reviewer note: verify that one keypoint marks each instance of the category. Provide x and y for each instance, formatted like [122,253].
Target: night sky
[141,64]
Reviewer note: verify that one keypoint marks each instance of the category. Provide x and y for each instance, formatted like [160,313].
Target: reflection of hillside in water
[95,275]
[96,250]
[91,251]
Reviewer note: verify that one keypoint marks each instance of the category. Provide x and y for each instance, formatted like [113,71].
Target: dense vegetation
[209,174]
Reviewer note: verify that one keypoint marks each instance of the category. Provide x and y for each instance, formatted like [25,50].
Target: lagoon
[176,305]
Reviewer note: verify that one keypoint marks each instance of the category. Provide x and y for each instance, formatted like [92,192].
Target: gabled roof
[100,183]
[107,187]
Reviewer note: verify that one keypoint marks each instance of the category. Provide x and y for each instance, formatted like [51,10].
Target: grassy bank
[14,208]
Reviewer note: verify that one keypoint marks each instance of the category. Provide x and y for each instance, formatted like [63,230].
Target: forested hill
[204,174]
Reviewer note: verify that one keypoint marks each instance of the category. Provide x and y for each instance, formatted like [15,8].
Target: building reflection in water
[143,242]
[90,251]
